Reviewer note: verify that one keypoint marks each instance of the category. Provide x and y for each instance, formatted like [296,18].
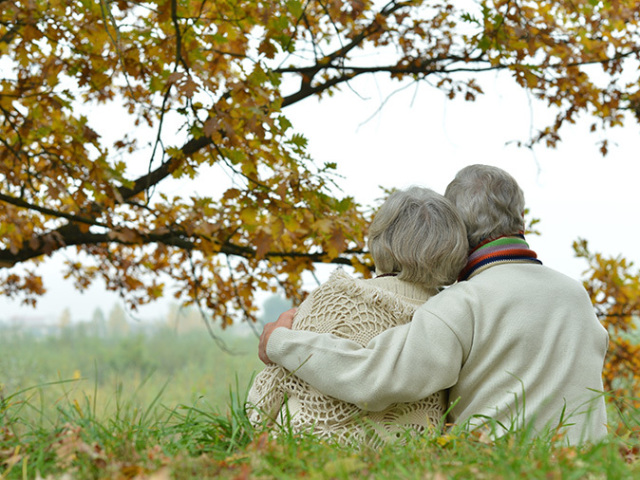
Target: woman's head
[489,200]
[419,235]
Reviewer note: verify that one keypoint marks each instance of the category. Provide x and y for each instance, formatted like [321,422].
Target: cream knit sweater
[357,310]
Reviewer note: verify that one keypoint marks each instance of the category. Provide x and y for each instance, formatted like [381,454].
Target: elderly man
[517,344]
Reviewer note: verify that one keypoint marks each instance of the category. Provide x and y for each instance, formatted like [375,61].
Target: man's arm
[403,364]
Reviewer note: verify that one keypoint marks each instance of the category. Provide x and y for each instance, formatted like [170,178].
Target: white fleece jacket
[518,343]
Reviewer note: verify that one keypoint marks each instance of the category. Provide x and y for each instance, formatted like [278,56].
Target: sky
[417,137]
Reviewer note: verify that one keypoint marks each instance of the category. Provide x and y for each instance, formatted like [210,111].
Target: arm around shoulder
[403,364]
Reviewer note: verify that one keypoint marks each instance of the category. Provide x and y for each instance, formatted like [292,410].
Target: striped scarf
[506,249]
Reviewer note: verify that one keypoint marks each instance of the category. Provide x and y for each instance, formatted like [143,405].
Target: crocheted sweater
[357,310]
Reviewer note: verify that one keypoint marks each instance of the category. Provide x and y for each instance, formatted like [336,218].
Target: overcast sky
[419,138]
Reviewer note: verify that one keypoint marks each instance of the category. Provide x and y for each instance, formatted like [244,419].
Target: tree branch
[18,202]
[327,61]
[72,235]
[163,171]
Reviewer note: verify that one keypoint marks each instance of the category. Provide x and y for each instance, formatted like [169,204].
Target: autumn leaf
[200,94]
[263,242]
[125,235]
[337,243]
[614,289]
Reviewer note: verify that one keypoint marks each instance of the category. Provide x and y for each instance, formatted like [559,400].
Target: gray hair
[489,200]
[419,235]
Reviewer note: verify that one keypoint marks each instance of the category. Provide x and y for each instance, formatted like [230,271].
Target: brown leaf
[125,235]
[337,243]
[263,242]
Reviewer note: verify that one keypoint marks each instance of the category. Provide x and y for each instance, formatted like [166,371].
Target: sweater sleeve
[403,364]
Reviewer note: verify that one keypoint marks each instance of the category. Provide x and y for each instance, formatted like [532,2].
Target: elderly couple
[511,344]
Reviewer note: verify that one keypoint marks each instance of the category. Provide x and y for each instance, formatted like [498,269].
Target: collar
[501,250]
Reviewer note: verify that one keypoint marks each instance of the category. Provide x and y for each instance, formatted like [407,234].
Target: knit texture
[357,310]
[506,249]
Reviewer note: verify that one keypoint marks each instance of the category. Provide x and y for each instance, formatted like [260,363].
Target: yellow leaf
[249,216]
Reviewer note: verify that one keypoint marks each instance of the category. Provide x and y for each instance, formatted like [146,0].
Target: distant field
[135,369]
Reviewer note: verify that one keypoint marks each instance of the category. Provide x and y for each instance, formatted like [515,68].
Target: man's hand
[284,320]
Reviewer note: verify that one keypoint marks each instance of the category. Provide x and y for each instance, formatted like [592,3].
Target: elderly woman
[419,244]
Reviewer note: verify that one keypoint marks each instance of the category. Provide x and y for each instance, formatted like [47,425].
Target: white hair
[419,235]
[489,200]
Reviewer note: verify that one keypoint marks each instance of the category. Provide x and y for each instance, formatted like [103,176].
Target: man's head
[489,200]
[418,234]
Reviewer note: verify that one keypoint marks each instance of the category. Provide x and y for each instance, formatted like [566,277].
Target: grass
[154,428]
[197,441]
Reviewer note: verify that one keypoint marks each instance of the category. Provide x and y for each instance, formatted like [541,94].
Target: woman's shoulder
[382,286]
[414,292]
